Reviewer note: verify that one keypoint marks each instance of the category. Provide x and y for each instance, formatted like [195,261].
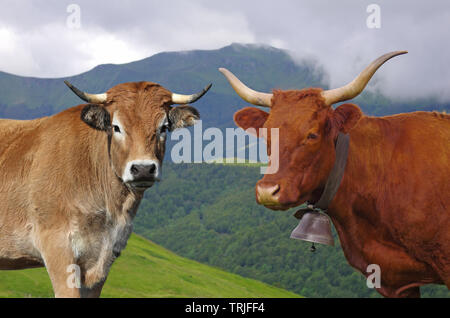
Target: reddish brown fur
[392,208]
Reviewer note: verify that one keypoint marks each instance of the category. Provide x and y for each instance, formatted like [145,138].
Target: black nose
[143,172]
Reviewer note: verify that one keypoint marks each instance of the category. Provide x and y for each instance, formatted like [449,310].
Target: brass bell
[314,227]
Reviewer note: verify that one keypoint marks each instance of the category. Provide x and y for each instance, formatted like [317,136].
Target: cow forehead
[298,109]
[144,121]
[308,97]
[139,103]
[125,117]
[136,87]
[139,96]
[293,118]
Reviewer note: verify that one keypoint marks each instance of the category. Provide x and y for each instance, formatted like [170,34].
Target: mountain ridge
[260,66]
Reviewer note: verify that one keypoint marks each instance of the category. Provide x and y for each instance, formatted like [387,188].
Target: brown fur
[393,206]
[61,198]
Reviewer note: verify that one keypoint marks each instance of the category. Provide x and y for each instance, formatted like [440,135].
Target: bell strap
[337,173]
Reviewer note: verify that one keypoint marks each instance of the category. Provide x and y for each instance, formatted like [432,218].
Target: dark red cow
[393,206]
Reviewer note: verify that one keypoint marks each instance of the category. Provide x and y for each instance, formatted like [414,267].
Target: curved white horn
[90,98]
[355,88]
[249,95]
[186,99]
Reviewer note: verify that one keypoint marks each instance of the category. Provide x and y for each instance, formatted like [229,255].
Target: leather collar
[337,173]
[334,179]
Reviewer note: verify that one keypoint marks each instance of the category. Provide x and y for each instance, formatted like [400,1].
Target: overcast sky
[45,39]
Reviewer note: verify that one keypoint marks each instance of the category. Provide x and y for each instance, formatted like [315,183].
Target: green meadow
[146,270]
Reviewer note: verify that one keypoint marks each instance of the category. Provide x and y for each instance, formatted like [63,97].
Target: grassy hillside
[148,270]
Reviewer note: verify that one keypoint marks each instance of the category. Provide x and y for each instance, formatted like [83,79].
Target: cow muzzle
[268,194]
[142,174]
[278,195]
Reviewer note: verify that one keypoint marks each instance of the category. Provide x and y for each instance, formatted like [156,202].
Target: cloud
[40,42]
[36,41]
[335,33]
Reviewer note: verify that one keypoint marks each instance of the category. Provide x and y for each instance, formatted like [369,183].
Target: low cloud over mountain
[40,38]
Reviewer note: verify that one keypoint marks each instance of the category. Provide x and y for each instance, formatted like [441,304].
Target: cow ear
[346,116]
[97,117]
[182,117]
[251,117]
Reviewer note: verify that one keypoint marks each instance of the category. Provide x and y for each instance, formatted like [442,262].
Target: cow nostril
[134,170]
[276,190]
[143,172]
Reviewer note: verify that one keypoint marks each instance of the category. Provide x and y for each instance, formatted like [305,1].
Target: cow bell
[314,227]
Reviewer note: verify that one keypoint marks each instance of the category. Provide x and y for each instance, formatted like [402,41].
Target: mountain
[182,72]
[261,67]
[148,270]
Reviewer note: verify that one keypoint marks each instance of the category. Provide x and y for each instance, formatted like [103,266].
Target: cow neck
[337,173]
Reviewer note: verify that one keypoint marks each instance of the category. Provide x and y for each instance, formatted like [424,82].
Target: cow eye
[313,136]
[116,129]
[164,128]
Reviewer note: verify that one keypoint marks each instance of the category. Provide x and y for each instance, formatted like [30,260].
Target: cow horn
[355,88]
[90,98]
[186,99]
[246,93]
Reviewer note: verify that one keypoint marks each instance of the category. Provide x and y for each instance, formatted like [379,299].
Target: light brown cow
[71,183]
